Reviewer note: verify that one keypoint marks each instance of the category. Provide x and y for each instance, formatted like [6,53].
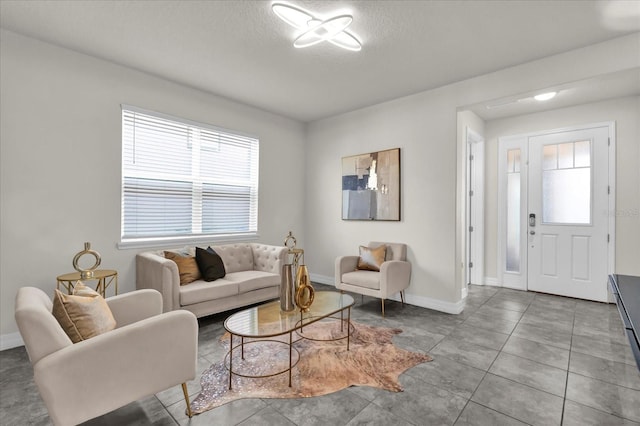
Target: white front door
[567,221]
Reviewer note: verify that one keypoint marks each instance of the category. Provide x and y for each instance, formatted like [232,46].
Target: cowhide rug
[323,367]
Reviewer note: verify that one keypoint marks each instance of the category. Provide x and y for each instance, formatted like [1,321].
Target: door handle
[532,232]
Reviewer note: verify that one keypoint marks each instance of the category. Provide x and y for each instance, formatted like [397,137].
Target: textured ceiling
[241,50]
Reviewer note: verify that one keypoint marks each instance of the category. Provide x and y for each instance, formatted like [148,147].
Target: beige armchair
[394,275]
[146,353]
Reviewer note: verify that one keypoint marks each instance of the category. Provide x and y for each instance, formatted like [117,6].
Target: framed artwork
[371,186]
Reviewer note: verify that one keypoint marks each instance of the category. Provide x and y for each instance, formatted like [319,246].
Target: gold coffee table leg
[230,358]
[348,326]
[290,355]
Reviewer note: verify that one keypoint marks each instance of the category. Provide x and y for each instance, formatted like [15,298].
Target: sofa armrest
[344,264]
[103,373]
[157,273]
[395,276]
[137,305]
[268,258]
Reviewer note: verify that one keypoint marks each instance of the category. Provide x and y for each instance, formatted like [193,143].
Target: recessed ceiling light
[316,30]
[545,96]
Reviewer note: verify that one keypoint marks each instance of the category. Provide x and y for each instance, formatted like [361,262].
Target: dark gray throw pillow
[210,264]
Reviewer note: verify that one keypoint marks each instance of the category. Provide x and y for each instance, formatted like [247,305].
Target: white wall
[424,127]
[421,126]
[61,161]
[625,112]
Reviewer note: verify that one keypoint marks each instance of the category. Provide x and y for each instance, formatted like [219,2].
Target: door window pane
[550,157]
[583,154]
[566,189]
[566,196]
[565,155]
[513,160]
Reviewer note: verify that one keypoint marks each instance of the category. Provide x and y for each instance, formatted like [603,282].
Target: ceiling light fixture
[316,30]
[545,96]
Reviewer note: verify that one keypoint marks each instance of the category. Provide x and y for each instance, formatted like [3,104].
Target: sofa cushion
[187,267]
[182,251]
[395,251]
[84,314]
[268,258]
[210,264]
[371,258]
[203,291]
[367,279]
[253,280]
[236,257]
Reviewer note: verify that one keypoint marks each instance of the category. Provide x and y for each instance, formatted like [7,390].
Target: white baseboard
[435,304]
[492,282]
[495,283]
[11,340]
[465,292]
[423,302]
[322,279]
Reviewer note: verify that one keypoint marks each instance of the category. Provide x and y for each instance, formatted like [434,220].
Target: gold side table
[105,277]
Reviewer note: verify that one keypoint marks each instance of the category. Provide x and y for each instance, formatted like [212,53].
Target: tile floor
[511,358]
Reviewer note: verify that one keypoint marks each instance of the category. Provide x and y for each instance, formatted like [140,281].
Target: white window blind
[186,179]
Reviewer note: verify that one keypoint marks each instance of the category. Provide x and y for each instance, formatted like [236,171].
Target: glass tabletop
[268,320]
[97,274]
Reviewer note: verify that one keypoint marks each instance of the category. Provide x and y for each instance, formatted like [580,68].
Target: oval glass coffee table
[265,322]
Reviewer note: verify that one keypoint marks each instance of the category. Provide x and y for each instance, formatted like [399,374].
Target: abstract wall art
[371,186]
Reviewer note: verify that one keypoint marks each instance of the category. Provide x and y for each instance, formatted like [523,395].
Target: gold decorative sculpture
[305,292]
[297,254]
[88,272]
[287,289]
[290,241]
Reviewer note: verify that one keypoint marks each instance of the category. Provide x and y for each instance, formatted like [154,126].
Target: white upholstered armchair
[146,353]
[394,275]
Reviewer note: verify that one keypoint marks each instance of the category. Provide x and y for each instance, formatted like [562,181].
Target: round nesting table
[105,277]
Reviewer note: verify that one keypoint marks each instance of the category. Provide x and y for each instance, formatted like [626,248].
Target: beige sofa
[252,275]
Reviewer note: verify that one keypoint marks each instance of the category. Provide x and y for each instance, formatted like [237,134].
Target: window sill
[186,241]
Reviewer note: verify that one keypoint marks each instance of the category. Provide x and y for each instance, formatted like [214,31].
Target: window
[566,183]
[513,210]
[183,180]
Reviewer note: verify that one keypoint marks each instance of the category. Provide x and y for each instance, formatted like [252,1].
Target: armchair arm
[137,305]
[268,258]
[395,276]
[100,374]
[344,264]
[156,272]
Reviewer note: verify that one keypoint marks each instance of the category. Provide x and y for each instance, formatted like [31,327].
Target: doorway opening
[475,208]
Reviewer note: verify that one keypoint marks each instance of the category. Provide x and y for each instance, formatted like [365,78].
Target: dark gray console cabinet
[626,290]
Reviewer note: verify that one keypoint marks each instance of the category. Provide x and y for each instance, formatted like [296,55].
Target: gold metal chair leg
[186,398]
[382,300]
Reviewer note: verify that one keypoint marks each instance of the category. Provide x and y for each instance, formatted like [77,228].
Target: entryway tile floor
[511,358]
